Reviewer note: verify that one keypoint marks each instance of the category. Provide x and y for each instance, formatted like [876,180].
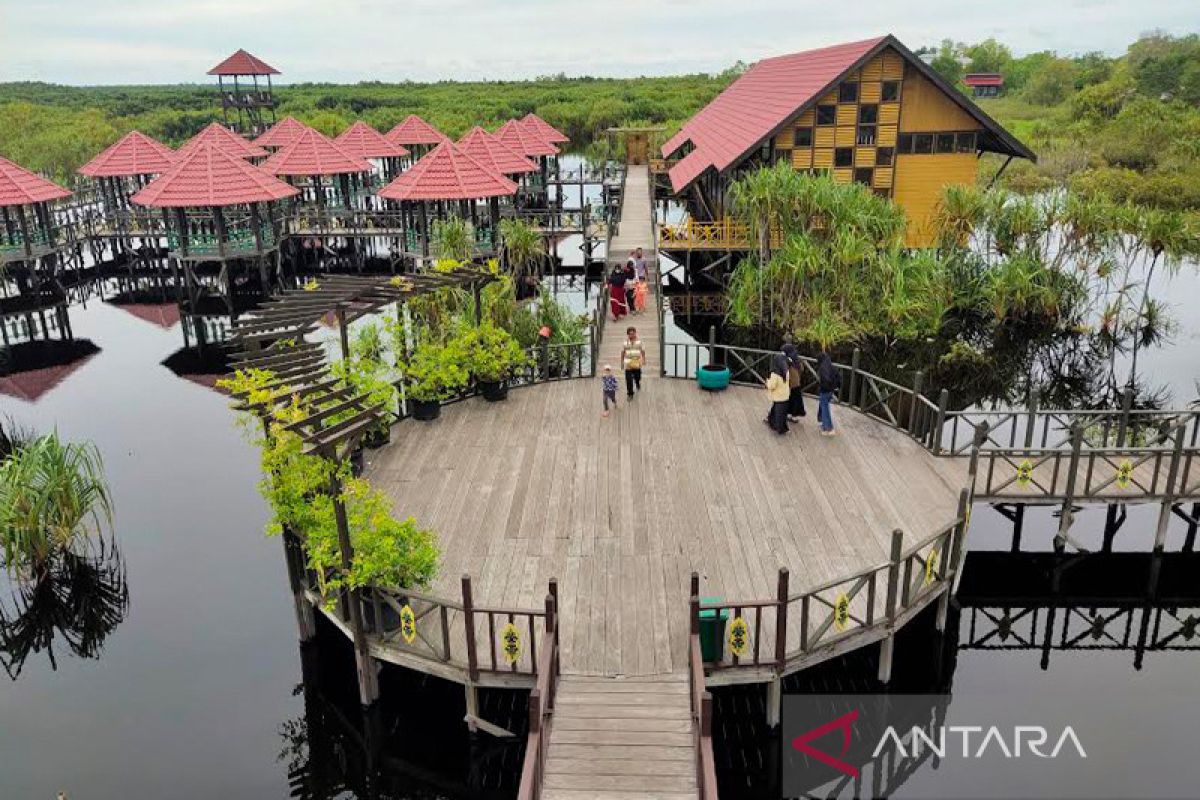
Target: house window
[966,143]
[868,114]
[843,157]
[848,92]
[864,175]
[883,157]
[890,91]
[904,143]
[804,137]
[866,134]
[923,143]
[826,115]
[945,142]
[783,154]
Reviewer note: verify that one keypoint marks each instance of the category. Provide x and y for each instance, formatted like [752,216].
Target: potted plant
[491,355]
[433,374]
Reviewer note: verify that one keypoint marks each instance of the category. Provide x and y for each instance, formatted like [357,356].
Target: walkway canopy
[414,130]
[448,173]
[491,152]
[314,153]
[363,141]
[524,141]
[220,136]
[243,63]
[544,129]
[20,187]
[282,133]
[133,154]
[210,176]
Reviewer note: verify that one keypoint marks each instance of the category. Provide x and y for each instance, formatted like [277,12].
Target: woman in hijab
[616,293]
[795,409]
[829,381]
[777,392]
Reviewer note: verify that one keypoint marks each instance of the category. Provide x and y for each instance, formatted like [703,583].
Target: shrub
[436,371]
[490,353]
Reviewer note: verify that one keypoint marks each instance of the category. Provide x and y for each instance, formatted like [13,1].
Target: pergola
[448,182]
[415,134]
[281,134]
[218,135]
[363,141]
[312,155]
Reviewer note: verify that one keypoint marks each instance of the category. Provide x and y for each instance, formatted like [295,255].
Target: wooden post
[894,574]
[1164,513]
[1031,421]
[592,341]
[781,611]
[368,680]
[712,344]
[1123,422]
[774,701]
[940,421]
[918,385]
[340,313]
[469,623]
[1065,518]
[854,360]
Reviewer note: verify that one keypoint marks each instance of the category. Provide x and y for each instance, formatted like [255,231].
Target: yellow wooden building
[866,111]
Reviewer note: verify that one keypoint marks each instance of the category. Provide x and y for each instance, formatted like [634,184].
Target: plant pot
[377,437]
[713,377]
[426,410]
[493,391]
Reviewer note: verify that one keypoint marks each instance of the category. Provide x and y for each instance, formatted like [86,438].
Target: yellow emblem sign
[510,643]
[1124,474]
[931,565]
[408,624]
[841,611]
[1024,472]
[739,636]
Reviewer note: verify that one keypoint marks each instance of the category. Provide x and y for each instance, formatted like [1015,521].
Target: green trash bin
[712,629]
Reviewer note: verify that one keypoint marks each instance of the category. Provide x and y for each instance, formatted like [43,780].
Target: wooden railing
[661,166]
[723,234]
[541,706]
[701,707]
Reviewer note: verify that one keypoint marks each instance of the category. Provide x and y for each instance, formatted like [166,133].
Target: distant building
[984,84]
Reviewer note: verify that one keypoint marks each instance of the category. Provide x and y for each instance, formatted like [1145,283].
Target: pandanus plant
[521,248]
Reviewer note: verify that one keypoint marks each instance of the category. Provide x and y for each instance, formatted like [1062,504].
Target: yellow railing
[660,166]
[723,234]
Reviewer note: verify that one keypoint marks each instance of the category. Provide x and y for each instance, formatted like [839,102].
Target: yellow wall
[927,108]
[918,184]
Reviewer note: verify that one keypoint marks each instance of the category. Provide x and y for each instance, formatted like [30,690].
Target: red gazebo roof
[414,130]
[447,173]
[314,153]
[544,129]
[523,140]
[361,140]
[242,63]
[282,133]
[135,153]
[20,187]
[217,134]
[211,176]
[489,151]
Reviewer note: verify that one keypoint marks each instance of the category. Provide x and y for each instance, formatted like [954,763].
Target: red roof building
[209,175]
[544,129]
[414,130]
[984,84]
[524,141]
[242,63]
[314,153]
[363,141]
[491,152]
[282,133]
[220,136]
[448,173]
[135,153]
[20,187]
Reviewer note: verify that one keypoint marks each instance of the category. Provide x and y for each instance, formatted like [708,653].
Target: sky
[176,41]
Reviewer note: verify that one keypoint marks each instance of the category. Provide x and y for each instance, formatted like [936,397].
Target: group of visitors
[785,391]
[633,358]
[627,287]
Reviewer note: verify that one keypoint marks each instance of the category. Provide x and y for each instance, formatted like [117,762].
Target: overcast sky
[167,41]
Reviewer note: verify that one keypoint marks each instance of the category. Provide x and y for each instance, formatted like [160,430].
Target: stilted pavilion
[521,138]
[449,182]
[249,106]
[544,129]
[313,156]
[223,218]
[363,141]
[30,246]
[281,134]
[223,138]
[491,152]
[416,134]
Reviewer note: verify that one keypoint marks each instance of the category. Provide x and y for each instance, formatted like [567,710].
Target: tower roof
[489,151]
[135,153]
[523,140]
[414,130]
[20,187]
[242,63]
[282,133]
[544,129]
[314,153]
[217,134]
[447,173]
[363,141]
[208,175]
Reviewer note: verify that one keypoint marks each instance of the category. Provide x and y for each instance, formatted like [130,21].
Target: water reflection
[29,370]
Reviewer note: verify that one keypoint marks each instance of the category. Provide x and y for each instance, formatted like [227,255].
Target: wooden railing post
[854,379]
[469,623]
[893,583]
[918,385]
[1065,518]
[781,610]
[1123,422]
[712,345]
[940,421]
[960,535]
[1031,421]
[592,341]
[1164,513]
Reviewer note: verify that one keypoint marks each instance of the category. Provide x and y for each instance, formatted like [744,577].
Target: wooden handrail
[541,704]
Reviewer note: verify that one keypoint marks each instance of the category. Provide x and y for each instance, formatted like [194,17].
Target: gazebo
[521,138]
[415,134]
[314,156]
[218,135]
[253,104]
[221,215]
[448,182]
[491,152]
[544,129]
[281,134]
[363,141]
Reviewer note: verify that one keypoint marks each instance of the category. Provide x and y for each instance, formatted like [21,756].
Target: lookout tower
[248,105]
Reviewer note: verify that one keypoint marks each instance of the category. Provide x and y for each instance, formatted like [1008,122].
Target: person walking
[609,385]
[640,290]
[633,358]
[616,293]
[829,381]
[630,282]
[639,265]
[777,393]
[795,378]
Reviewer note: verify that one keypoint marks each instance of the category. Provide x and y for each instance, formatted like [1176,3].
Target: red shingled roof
[491,152]
[414,130]
[757,103]
[314,153]
[984,79]
[135,153]
[242,63]
[447,173]
[217,134]
[20,187]
[282,133]
[523,140]
[544,129]
[361,140]
[211,176]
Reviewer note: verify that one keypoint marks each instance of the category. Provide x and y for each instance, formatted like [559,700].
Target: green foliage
[946,62]
[988,56]
[1051,84]
[490,353]
[452,238]
[1166,65]
[436,371]
[521,247]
